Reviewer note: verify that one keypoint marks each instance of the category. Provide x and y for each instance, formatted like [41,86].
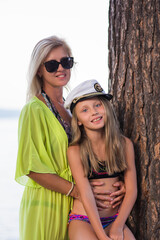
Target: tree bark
[134,81]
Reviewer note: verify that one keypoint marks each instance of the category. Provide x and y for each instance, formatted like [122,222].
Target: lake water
[10,190]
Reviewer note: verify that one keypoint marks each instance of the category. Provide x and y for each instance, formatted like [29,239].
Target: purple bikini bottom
[104,220]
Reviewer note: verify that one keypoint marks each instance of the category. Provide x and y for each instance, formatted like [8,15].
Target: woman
[99,151]
[44,133]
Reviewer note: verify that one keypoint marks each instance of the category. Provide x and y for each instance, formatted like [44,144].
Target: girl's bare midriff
[108,186]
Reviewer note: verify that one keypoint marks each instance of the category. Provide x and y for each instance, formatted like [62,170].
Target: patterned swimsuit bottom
[104,220]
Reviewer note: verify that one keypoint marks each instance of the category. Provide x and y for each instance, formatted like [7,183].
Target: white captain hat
[85,90]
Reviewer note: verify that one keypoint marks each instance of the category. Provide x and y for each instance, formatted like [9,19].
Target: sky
[82,23]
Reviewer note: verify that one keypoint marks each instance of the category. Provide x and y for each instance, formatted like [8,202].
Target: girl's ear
[79,123]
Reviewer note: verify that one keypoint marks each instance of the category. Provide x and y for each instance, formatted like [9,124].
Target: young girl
[98,151]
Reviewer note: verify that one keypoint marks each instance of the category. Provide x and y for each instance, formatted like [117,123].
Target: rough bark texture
[134,64]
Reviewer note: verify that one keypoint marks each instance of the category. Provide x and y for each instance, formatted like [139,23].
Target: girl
[98,151]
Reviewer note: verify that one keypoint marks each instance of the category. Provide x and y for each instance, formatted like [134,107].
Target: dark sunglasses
[52,65]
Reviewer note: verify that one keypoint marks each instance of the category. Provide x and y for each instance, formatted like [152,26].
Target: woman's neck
[55,94]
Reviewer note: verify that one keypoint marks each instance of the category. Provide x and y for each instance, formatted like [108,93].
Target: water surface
[10,190]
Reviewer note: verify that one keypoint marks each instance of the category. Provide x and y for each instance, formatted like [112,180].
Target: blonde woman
[98,151]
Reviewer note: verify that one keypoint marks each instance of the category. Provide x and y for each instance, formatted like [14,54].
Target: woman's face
[61,76]
[90,114]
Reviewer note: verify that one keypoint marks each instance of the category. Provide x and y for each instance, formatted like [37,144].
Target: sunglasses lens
[67,62]
[51,66]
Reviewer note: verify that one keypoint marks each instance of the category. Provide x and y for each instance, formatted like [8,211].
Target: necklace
[60,103]
[53,109]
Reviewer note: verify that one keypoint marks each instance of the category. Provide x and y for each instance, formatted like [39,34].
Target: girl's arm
[131,192]
[85,191]
[54,182]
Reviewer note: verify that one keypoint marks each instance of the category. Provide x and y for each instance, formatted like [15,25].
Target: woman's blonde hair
[40,52]
[114,143]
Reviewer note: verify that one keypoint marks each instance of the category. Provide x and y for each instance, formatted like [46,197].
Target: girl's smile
[96,119]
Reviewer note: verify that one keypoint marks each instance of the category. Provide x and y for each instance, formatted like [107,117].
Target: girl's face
[61,76]
[90,114]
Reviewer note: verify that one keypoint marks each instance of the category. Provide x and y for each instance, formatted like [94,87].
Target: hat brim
[87,96]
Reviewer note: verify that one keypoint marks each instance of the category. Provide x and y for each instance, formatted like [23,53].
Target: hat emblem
[75,100]
[98,87]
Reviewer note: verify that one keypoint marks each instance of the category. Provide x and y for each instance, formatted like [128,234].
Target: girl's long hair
[114,143]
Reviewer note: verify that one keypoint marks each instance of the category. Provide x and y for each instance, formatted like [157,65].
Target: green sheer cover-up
[42,148]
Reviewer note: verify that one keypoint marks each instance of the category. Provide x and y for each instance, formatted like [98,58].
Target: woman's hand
[118,195]
[102,196]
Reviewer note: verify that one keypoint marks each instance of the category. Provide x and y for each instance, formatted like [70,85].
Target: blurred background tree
[134,81]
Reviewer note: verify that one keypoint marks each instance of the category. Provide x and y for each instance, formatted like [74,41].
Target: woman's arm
[131,192]
[85,190]
[54,182]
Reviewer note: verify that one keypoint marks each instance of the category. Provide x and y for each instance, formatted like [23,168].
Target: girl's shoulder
[129,147]
[73,149]
[128,142]
[73,153]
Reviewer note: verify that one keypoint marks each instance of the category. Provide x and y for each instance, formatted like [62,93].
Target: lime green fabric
[42,148]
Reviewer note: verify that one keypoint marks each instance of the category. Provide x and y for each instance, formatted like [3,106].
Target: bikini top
[102,172]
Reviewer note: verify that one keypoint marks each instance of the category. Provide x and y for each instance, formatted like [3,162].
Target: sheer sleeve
[34,150]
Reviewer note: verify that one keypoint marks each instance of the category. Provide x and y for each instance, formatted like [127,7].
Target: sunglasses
[52,65]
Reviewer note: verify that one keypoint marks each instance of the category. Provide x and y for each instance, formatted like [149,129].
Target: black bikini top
[102,172]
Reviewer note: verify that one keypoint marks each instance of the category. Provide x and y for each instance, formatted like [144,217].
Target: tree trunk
[134,64]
